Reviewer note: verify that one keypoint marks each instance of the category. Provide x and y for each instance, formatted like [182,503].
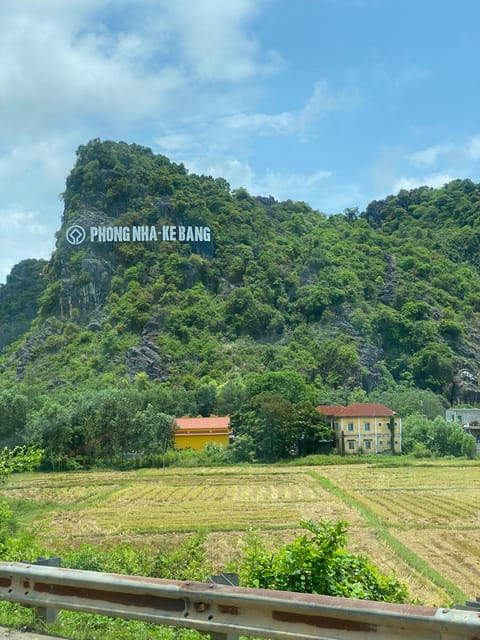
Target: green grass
[83,626]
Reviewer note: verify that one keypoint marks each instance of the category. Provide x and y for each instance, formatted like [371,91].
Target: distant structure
[195,433]
[469,418]
[364,427]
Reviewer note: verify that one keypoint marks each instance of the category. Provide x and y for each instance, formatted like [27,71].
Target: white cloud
[26,221]
[429,156]
[473,148]
[63,63]
[67,64]
[22,234]
[458,153]
[31,179]
[214,41]
[237,173]
[219,134]
[437,165]
[434,180]
[321,103]
[32,174]
[288,185]
[278,184]
[57,74]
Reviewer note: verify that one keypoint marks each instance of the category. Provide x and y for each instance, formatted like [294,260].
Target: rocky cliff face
[83,293]
[82,275]
[19,299]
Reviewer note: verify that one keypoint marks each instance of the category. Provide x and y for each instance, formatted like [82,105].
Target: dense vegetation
[284,309]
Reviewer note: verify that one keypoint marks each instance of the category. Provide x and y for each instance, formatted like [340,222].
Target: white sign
[77,235]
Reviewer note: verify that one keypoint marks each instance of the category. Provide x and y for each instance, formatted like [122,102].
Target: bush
[318,563]
[439,437]
[420,450]
[186,561]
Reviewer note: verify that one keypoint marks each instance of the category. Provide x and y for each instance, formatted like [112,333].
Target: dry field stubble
[434,511]
[156,503]
[84,506]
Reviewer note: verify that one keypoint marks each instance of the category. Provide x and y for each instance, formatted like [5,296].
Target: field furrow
[454,553]
[434,508]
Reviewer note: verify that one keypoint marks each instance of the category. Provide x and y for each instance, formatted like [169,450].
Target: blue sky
[335,102]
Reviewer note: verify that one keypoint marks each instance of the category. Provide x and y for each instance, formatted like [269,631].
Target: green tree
[439,437]
[230,396]
[152,434]
[286,383]
[432,366]
[13,414]
[205,397]
[279,428]
[243,448]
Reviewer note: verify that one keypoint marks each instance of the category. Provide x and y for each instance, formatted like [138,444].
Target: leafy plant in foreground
[18,459]
[318,563]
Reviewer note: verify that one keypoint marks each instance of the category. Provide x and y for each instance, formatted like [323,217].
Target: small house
[195,433]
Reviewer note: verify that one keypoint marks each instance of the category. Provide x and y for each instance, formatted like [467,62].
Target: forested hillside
[279,304]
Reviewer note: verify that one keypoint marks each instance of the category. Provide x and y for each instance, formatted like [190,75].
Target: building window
[350,426]
[335,424]
[367,445]
[351,444]
[366,426]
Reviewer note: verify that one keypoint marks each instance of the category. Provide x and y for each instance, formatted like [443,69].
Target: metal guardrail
[226,611]
[471,605]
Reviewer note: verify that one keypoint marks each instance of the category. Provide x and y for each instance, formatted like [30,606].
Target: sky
[333,102]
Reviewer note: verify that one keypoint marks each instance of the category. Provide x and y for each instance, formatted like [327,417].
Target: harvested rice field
[420,522]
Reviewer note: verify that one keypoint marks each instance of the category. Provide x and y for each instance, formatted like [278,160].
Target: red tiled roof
[330,409]
[218,423]
[356,410]
[365,409]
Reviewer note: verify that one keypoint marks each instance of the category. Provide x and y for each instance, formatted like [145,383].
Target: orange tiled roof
[212,423]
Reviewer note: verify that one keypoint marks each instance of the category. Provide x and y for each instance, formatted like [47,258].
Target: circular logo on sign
[75,234]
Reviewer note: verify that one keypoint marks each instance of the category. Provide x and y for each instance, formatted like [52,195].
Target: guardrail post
[224,578]
[44,614]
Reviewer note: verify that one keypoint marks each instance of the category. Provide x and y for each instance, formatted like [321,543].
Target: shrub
[318,563]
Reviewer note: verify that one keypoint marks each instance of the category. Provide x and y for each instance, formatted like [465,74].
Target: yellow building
[364,427]
[194,433]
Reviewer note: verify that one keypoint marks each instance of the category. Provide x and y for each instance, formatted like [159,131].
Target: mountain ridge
[355,303]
